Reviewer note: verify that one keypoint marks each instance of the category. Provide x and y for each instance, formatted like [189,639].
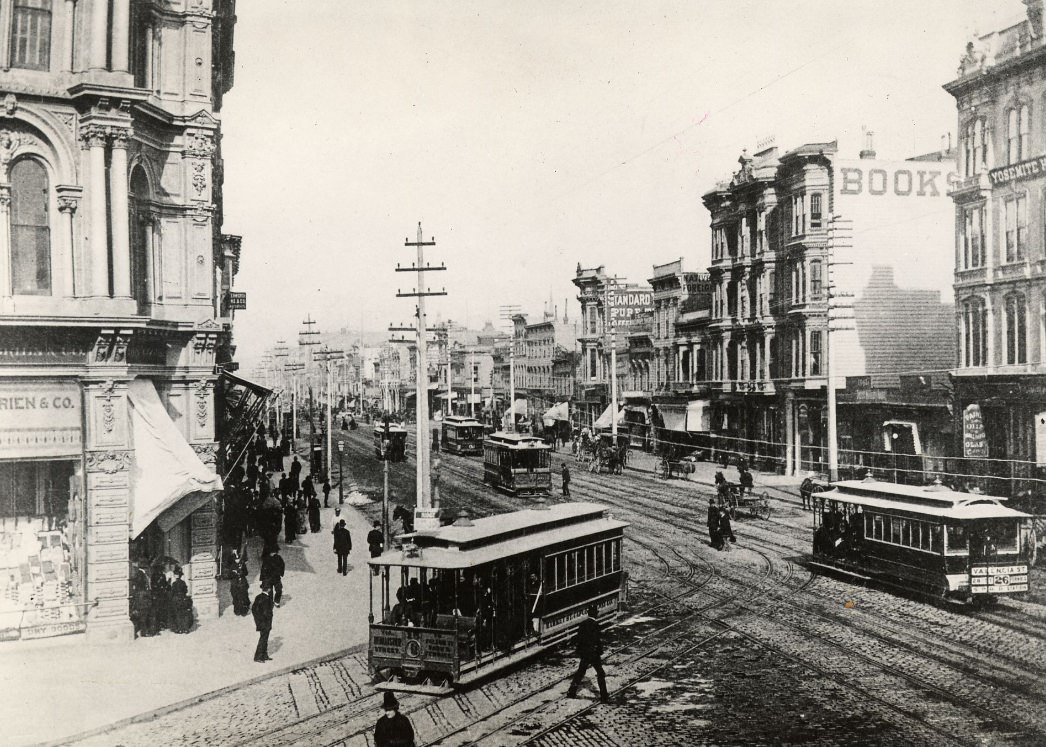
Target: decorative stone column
[68,201]
[118,215]
[108,459]
[121,34]
[5,242]
[99,35]
[68,36]
[93,138]
[203,565]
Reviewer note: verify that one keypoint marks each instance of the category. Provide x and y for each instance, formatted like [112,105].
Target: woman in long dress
[314,513]
[180,614]
[301,508]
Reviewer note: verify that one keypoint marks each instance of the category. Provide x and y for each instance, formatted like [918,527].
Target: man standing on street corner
[393,728]
[262,611]
[590,652]
[566,481]
[342,546]
[375,543]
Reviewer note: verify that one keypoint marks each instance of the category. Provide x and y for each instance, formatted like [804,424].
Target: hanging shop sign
[974,441]
[626,304]
[40,419]
[1016,172]
[1040,439]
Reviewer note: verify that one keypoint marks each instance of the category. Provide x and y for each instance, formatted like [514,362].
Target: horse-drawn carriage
[738,498]
[602,453]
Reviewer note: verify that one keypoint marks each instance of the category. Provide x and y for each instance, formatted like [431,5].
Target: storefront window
[41,549]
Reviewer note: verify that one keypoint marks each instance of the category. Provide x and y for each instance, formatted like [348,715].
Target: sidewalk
[59,687]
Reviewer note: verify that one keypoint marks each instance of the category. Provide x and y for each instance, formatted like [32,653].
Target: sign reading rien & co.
[1016,172]
[40,419]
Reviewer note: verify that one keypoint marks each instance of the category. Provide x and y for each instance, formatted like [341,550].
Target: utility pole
[329,357]
[425,518]
[840,236]
[613,352]
[341,472]
[294,367]
[309,337]
[472,394]
[512,387]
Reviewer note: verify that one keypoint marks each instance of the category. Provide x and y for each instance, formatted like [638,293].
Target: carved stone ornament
[10,104]
[109,462]
[93,136]
[68,204]
[119,137]
[206,452]
[198,144]
[111,347]
[199,179]
[202,402]
[108,414]
[11,140]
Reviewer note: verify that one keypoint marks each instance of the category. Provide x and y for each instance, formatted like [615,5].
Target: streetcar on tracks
[517,463]
[397,441]
[965,547]
[462,435]
[468,600]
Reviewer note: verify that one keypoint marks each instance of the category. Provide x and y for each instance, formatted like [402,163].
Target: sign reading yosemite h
[627,303]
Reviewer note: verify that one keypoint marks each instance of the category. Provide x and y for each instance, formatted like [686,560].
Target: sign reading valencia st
[1018,171]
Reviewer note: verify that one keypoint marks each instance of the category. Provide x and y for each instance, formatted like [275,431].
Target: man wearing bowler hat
[262,611]
[393,728]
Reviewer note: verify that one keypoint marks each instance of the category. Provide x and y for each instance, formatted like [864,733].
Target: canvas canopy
[166,470]
[697,416]
[558,412]
[674,417]
[603,421]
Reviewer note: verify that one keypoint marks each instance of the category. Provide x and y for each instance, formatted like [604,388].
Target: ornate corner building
[115,303]
[1000,255]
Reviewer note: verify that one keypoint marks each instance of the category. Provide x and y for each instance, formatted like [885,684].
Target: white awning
[558,412]
[674,417]
[166,469]
[603,421]
[697,416]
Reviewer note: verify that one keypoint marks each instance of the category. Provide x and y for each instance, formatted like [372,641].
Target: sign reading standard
[1018,171]
[627,303]
[39,419]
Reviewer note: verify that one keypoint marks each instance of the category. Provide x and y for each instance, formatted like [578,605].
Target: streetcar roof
[461,421]
[517,440]
[393,428]
[506,535]
[932,501]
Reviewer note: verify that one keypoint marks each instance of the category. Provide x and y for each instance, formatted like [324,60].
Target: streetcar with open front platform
[960,546]
[468,600]
[461,435]
[397,442]
[517,463]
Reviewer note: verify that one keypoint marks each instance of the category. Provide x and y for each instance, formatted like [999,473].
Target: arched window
[30,228]
[1018,127]
[975,147]
[974,333]
[141,246]
[31,34]
[1016,329]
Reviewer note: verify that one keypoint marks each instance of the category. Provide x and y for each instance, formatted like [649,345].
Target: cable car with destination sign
[462,435]
[965,547]
[397,441]
[518,463]
[466,601]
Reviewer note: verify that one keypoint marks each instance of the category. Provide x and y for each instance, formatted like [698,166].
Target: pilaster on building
[113,273]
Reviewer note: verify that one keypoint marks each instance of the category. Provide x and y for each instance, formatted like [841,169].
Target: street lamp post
[341,472]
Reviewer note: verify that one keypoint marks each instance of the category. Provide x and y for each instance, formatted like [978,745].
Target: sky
[528,137]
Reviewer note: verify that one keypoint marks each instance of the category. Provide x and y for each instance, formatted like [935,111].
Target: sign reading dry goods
[626,304]
[974,442]
[39,419]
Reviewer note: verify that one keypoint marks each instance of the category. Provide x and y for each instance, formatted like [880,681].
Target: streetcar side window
[877,527]
[895,530]
[957,540]
[615,548]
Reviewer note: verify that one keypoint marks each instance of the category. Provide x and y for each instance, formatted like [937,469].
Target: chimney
[944,146]
[869,145]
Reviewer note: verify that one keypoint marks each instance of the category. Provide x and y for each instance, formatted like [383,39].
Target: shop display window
[41,549]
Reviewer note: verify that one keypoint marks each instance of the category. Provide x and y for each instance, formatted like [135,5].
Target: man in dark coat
[590,652]
[342,546]
[375,543]
[290,521]
[141,602]
[393,728]
[326,493]
[262,611]
[566,481]
[725,530]
[272,570]
[295,474]
[713,522]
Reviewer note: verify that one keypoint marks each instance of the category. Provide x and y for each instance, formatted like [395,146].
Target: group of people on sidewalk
[159,599]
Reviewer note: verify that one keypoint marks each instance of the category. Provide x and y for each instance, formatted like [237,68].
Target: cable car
[462,435]
[518,463]
[397,441]
[961,546]
[470,599]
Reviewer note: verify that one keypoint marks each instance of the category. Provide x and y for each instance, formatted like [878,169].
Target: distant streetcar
[962,546]
[473,598]
[462,435]
[518,463]
[397,446]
